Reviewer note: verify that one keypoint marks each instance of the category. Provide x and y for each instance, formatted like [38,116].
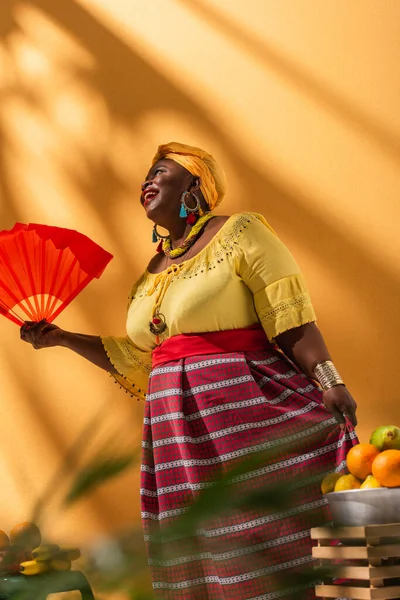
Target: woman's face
[162,190]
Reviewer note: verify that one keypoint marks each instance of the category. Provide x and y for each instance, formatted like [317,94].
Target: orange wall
[298,100]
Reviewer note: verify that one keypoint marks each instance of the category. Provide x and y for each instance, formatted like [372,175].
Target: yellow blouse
[243,276]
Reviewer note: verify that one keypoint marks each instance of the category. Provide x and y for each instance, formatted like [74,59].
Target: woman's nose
[145,184]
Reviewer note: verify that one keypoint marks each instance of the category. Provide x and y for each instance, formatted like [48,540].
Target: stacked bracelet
[327,376]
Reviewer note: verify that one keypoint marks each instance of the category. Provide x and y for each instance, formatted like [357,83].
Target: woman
[222,343]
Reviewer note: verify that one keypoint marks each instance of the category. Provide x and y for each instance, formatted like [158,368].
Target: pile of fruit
[373,465]
[23,552]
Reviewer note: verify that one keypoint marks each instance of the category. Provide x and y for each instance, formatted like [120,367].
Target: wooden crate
[366,561]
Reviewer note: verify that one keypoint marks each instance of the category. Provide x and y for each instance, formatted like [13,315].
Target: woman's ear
[195,185]
[196,191]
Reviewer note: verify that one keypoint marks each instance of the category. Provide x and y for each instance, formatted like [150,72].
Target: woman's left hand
[341,404]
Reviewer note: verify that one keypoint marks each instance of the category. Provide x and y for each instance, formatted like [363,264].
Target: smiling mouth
[149,197]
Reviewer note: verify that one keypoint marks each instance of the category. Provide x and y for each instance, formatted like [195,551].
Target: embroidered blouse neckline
[174,266]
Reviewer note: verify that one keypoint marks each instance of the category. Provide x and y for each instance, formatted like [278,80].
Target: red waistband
[214,342]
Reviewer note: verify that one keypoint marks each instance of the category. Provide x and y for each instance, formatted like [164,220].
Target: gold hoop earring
[187,210]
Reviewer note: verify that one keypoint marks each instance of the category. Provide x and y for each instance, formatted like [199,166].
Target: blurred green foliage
[119,563]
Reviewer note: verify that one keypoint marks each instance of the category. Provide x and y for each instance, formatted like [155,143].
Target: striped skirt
[203,416]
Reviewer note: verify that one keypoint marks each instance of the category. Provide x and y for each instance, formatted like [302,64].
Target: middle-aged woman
[223,346]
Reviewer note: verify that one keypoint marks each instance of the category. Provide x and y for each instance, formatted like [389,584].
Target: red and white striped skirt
[205,414]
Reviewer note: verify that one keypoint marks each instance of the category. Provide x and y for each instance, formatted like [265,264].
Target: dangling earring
[156,236]
[183,212]
[190,214]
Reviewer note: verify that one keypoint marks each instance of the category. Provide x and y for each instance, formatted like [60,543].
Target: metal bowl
[376,506]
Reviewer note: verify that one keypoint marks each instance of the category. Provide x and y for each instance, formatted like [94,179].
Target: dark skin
[161,198]
[172,181]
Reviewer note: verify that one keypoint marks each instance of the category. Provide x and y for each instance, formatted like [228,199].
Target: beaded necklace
[189,241]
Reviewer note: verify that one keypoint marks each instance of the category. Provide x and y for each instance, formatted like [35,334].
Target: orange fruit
[4,541]
[386,468]
[347,482]
[360,458]
[27,535]
[328,483]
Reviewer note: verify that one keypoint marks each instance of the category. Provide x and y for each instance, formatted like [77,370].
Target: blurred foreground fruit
[59,564]
[347,482]
[27,535]
[329,482]
[6,564]
[45,552]
[386,437]
[26,555]
[31,567]
[360,458]
[69,553]
[370,482]
[11,558]
[4,541]
[386,468]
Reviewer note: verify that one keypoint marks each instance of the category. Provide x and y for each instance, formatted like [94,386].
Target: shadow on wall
[38,415]
[126,83]
[310,85]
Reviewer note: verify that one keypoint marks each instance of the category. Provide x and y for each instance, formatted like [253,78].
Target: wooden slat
[337,552]
[350,572]
[358,593]
[385,571]
[385,593]
[387,551]
[342,591]
[349,552]
[368,531]
[390,530]
[334,533]
[367,573]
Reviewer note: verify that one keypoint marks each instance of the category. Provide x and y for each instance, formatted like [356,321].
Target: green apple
[386,437]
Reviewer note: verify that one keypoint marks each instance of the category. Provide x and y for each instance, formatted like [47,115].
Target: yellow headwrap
[200,164]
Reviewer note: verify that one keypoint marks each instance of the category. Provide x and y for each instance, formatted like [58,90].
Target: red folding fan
[43,268]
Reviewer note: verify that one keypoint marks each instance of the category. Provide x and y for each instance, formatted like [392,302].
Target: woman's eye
[158,171]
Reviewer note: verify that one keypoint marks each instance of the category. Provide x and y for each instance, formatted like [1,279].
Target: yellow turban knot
[200,164]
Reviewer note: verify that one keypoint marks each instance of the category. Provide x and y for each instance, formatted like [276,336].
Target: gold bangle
[327,376]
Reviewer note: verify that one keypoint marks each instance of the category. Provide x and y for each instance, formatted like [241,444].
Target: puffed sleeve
[269,270]
[132,364]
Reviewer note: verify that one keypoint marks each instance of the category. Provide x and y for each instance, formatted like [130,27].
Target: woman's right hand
[41,334]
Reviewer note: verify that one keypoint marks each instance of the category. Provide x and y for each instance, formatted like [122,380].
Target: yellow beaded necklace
[189,241]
